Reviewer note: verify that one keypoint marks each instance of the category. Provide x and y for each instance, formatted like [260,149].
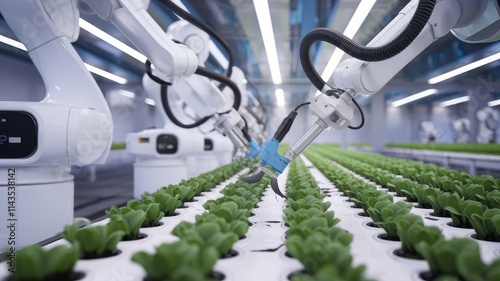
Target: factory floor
[99,187]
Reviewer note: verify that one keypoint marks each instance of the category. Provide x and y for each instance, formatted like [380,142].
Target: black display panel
[167,144]
[18,134]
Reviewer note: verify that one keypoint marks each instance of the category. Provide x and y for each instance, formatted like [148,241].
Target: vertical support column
[378,122]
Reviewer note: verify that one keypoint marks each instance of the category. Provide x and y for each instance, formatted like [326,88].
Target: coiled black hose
[380,53]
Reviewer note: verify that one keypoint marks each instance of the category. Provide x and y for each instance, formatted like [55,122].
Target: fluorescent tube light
[112,41]
[266,29]
[150,101]
[414,97]
[352,28]
[494,103]
[280,97]
[454,101]
[13,43]
[463,69]
[89,67]
[127,94]
[105,74]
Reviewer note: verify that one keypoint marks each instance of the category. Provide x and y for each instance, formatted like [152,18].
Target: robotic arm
[173,63]
[372,67]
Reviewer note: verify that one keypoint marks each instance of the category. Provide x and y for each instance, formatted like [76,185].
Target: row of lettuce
[457,258]
[475,148]
[192,257]
[312,237]
[471,202]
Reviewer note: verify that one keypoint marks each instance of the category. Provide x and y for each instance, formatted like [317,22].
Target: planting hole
[401,253]
[231,254]
[139,237]
[293,274]
[386,237]
[217,275]
[107,255]
[173,215]
[348,200]
[452,224]
[156,225]
[243,237]
[432,219]
[287,254]
[372,224]
[427,276]
[354,207]
[363,214]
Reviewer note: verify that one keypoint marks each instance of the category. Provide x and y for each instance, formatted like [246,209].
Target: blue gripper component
[269,156]
[255,149]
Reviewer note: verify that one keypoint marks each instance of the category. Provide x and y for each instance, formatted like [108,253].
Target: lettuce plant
[243,203]
[411,231]
[422,192]
[168,203]
[461,211]
[331,272]
[307,203]
[238,227]
[229,211]
[180,260]
[492,199]
[363,196]
[96,241]
[458,257]
[34,263]
[320,226]
[474,192]
[152,210]
[317,250]
[293,218]
[486,225]
[127,220]
[206,234]
[298,193]
[385,214]
[442,201]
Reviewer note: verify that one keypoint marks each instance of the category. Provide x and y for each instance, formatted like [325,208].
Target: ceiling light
[454,101]
[414,97]
[463,69]
[150,101]
[266,29]
[89,67]
[127,94]
[352,28]
[494,103]
[280,97]
[112,41]
[105,74]
[13,43]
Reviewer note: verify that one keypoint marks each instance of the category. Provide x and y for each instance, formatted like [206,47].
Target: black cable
[301,105]
[224,80]
[171,116]
[164,101]
[362,117]
[187,16]
[392,48]
[245,130]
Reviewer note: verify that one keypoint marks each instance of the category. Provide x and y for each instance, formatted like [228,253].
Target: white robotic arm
[42,140]
[353,76]
[171,61]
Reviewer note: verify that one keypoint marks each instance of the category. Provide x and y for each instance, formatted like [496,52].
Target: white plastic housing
[335,112]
